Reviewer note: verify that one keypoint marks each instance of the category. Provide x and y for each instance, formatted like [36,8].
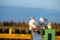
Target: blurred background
[15,14]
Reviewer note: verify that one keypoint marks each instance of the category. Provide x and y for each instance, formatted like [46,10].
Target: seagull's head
[32,18]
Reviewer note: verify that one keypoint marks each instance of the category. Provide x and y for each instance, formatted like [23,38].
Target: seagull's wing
[41,26]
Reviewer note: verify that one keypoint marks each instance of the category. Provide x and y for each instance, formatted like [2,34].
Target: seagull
[43,22]
[33,24]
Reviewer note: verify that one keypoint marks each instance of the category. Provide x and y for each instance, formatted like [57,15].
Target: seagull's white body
[32,24]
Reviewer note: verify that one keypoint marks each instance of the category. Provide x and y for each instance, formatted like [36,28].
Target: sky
[22,10]
[47,4]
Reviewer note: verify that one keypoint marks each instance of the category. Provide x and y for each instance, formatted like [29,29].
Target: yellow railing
[17,36]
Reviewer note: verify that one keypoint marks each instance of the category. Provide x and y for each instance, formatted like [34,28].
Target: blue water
[24,13]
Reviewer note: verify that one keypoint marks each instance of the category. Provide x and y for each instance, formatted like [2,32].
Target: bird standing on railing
[33,24]
[43,22]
